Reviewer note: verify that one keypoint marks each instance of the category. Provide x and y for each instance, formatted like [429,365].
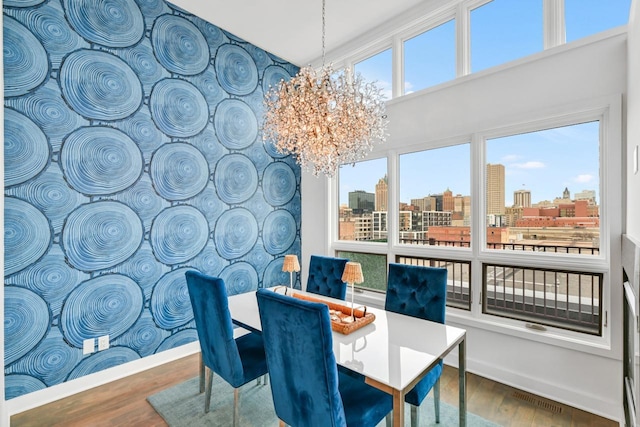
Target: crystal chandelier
[326,118]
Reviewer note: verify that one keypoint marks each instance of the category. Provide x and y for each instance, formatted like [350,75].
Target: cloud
[408,88]
[583,179]
[529,165]
[511,158]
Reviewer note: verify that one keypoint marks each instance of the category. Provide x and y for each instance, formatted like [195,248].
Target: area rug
[183,406]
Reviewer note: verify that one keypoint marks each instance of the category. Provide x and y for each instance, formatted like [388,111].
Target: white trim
[393,199]
[425,16]
[608,110]
[554,23]
[557,392]
[509,327]
[397,68]
[463,41]
[620,32]
[69,388]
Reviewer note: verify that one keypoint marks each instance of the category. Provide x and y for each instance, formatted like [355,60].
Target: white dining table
[393,353]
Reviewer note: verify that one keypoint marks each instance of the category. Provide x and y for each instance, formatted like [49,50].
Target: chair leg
[436,400]
[389,419]
[202,374]
[415,416]
[207,395]
[236,407]
[263,380]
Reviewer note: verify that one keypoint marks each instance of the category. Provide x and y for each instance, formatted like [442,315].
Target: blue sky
[543,162]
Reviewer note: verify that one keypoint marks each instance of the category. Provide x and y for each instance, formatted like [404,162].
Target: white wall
[633,122]
[584,377]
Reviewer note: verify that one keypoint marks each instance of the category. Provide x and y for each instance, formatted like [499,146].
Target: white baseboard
[60,391]
[607,408]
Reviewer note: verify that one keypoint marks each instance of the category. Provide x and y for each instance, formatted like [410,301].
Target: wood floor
[123,402]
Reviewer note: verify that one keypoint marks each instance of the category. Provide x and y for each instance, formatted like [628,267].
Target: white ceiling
[292,29]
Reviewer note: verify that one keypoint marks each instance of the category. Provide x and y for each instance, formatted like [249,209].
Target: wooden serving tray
[340,312]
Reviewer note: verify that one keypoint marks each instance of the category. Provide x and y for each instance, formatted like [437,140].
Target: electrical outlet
[103,342]
[88,346]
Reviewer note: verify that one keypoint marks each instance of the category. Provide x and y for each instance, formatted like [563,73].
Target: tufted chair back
[213,323]
[306,385]
[237,361]
[325,276]
[417,291]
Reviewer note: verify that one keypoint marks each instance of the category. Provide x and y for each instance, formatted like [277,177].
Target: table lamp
[290,265]
[352,274]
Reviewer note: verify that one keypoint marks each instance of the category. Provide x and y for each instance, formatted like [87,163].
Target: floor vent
[540,403]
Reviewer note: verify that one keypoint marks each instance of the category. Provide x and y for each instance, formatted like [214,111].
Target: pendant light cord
[323,31]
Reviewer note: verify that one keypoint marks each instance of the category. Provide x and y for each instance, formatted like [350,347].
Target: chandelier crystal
[325,118]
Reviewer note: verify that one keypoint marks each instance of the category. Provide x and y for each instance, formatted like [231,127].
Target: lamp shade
[291,263]
[352,273]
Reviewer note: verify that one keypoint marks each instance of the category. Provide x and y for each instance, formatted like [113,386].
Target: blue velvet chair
[237,361]
[325,276]
[307,388]
[419,292]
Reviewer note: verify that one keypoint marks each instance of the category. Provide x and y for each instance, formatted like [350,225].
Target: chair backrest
[302,366]
[417,291]
[213,322]
[325,276]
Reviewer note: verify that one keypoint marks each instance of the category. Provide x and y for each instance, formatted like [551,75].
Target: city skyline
[544,162]
[535,169]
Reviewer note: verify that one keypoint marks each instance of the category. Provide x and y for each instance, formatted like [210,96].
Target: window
[567,299]
[435,197]
[586,17]
[362,211]
[542,190]
[374,269]
[504,30]
[430,57]
[377,68]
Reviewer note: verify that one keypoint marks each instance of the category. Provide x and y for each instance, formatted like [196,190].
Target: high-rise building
[436,218]
[447,201]
[436,202]
[458,203]
[382,198]
[360,201]
[586,195]
[495,189]
[522,199]
[427,203]
[379,225]
[363,227]
[467,210]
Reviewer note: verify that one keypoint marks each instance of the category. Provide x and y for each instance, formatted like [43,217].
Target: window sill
[600,346]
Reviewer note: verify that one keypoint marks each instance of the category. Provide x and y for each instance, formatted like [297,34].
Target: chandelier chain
[324,119]
[323,32]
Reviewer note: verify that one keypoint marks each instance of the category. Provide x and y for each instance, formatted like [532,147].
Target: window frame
[607,110]
[434,20]
[433,145]
[396,31]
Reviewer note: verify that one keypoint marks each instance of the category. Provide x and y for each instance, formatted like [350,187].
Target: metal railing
[541,296]
[531,247]
[545,248]
[565,299]
[434,242]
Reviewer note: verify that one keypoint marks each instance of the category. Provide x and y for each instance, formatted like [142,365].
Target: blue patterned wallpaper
[132,154]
